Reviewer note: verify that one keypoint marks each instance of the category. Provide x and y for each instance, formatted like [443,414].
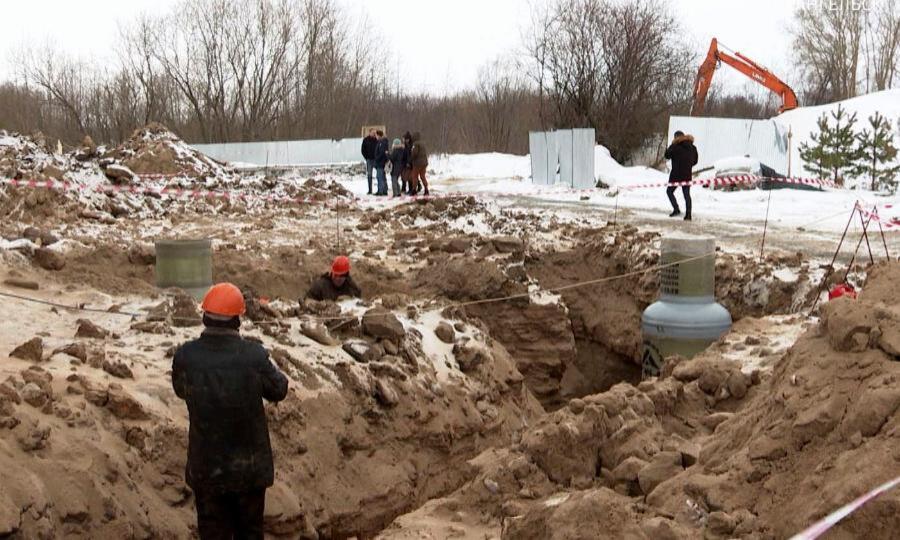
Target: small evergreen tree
[876,154]
[835,149]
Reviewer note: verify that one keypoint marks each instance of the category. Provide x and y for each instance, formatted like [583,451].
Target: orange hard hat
[340,266]
[224,299]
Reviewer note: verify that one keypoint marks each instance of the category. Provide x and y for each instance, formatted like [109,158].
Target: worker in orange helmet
[224,380]
[335,283]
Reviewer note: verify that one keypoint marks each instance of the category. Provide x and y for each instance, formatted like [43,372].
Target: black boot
[687,217]
[675,213]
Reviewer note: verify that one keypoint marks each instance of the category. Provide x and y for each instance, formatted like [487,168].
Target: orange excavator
[746,66]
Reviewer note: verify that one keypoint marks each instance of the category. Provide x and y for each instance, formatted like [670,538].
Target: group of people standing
[408,161]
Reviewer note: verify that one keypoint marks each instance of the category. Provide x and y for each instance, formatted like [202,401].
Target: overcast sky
[440,43]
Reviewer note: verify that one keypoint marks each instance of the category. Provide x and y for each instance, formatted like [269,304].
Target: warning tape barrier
[885,222]
[735,180]
[829,521]
[175,192]
[240,195]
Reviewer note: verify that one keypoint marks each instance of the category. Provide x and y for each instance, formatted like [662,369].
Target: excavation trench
[360,443]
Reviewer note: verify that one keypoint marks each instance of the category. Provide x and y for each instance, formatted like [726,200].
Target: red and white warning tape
[174,192]
[735,180]
[829,521]
[885,222]
[240,195]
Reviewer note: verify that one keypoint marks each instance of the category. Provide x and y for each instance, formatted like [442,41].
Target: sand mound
[154,150]
[92,439]
[708,450]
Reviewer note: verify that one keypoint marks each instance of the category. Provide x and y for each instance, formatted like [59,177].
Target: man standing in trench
[224,379]
[683,154]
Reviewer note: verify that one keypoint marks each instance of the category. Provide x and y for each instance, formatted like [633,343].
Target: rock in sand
[32,350]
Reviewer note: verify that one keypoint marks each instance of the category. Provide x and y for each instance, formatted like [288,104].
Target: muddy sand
[422,411]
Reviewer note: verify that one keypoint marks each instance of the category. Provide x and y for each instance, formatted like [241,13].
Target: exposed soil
[474,401]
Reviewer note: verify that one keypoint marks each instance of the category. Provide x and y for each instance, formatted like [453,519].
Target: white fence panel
[718,138]
[583,141]
[287,153]
[566,156]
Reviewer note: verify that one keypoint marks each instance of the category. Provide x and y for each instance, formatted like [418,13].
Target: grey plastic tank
[186,264]
[686,319]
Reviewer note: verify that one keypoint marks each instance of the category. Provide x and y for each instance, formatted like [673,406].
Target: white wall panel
[287,153]
[718,138]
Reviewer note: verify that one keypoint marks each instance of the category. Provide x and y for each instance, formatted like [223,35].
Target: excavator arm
[746,66]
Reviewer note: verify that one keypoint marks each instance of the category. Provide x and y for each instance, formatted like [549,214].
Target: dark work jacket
[368,147]
[381,152]
[224,379]
[323,289]
[683,154]
[398,161]
[418,155]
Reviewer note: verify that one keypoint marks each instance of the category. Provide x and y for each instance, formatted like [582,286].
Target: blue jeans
[370,164]
[382,181]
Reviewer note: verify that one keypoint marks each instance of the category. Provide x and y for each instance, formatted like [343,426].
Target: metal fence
[718,138]
[287,153]
[564,156]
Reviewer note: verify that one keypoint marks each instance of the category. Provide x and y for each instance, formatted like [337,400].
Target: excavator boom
[746,66]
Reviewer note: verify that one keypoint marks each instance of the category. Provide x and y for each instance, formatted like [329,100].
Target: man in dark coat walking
[683,154]
[369,144]
[224,380]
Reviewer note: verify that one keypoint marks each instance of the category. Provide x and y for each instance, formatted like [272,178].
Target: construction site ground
[486,386]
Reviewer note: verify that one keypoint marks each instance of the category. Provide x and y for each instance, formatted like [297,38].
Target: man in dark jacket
[224,379]
[683,154]
[382,155]
[418,157]
[334,284]
[369,144]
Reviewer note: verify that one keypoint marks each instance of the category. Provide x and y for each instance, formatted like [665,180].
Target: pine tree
[835,149]
[876,154]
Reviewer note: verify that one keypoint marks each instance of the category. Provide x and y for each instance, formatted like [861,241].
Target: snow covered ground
[506,177]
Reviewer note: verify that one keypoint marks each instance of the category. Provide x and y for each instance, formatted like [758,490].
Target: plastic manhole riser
[686,319]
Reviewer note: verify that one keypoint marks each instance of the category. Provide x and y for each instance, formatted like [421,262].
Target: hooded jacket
[418,155]
[683,154]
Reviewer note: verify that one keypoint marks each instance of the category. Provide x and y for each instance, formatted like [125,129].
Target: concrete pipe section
[186,264]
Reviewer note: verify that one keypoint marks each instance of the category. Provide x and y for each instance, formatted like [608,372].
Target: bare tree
[827,41]
[65,80]
[882,44]
[615,66]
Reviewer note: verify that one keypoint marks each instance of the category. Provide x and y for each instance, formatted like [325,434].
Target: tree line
[230,70]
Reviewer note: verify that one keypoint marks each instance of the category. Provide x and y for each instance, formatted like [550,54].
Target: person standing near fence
[406,171]
[418,157]
[369,143]
[397,165]
[382,155]
[683,154]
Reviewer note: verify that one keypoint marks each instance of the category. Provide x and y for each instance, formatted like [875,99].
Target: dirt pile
[30,158]
[155,150]
[708,450]
[92,438]
[608,314]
